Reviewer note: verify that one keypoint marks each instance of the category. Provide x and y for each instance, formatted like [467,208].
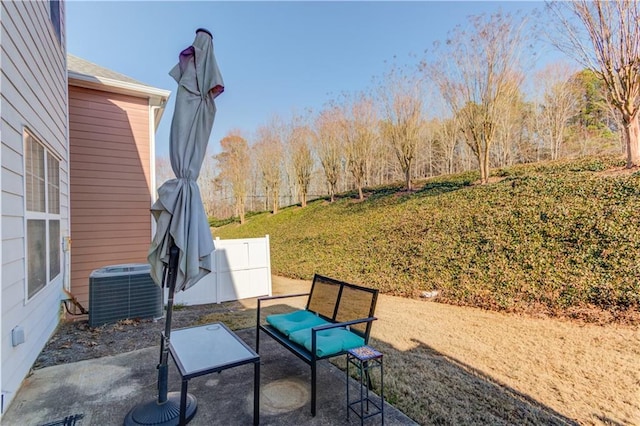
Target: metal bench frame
[310,357]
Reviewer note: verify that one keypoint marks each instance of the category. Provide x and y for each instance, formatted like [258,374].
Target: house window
[42,175]
[54,14]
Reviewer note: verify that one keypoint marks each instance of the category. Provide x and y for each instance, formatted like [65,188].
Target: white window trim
[56,27]
[46,216]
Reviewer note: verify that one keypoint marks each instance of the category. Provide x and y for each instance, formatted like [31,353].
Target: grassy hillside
[561,237]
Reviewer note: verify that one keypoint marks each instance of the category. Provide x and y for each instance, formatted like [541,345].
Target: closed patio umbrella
[180,252]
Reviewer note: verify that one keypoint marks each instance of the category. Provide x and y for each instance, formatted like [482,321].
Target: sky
[276,58]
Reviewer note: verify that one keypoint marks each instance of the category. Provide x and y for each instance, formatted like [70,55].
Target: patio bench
[337,317]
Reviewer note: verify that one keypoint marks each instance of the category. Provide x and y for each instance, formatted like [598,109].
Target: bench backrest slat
[339,302]
[324,296]
[356,303]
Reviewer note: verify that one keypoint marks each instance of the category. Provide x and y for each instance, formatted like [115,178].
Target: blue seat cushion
[294,321]
[328,342]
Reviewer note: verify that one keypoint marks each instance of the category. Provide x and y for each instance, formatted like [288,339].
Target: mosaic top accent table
[365,359]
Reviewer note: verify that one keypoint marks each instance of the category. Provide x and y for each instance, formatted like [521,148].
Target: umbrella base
[167,414]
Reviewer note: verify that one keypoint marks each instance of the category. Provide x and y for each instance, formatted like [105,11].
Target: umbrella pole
[165,410]
[163,368]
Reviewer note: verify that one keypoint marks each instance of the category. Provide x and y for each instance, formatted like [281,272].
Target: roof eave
[157,97]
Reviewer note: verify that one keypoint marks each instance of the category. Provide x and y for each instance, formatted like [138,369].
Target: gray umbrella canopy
[182,244]
[179,213]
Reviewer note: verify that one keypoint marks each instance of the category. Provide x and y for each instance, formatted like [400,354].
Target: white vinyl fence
[241,270]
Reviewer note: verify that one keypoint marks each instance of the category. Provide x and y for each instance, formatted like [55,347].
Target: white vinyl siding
[34,96]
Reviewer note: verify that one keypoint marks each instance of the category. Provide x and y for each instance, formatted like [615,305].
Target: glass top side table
[211,348]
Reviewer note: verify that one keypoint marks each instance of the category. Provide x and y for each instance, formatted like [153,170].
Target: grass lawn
[458,365]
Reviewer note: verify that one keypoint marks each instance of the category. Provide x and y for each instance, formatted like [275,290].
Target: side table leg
[382,390]
[183,402]
[256,393]
[367,375]
[361,376]
[348,401]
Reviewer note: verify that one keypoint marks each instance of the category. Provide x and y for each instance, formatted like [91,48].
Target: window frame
[55,16]
[47,216]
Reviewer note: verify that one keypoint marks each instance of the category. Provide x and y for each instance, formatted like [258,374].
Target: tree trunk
[632,130]
[407,178]
[276,201]
[556,149]
[484,166]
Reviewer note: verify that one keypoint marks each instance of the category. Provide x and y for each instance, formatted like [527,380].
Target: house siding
[110,158]
[34,97]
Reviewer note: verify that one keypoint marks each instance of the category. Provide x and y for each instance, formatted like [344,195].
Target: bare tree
[209,189]
[255,193]
[446,135]
[477,72]
[592,129]
[604,36]
[218,203]
[269,155]
[427,156]
[446,141]
[557,104]
[301,157]
[234,162]
[509,125]
[401,97]
[327,147]
[357,132]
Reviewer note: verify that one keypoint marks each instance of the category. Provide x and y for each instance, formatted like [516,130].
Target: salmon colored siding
[110,174]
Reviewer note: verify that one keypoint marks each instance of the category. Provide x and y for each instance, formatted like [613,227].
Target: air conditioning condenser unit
[119,292]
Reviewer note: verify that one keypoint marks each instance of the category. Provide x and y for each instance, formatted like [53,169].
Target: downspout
[153,110]
[69,302]
[156,110]
[155,113]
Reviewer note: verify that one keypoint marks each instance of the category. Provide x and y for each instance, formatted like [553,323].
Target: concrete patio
[103,391]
